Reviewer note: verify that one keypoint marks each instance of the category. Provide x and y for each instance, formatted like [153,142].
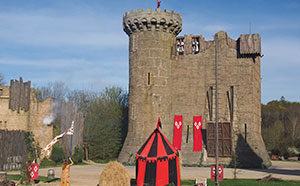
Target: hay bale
[114,174]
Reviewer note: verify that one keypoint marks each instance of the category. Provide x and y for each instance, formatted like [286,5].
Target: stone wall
[15,114]
[20,118]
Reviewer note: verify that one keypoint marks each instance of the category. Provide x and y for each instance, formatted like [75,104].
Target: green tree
[78,154]
[33,148]
[57,154]
[104,123]
[281,126]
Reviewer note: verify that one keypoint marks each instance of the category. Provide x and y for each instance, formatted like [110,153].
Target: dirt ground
[85,175]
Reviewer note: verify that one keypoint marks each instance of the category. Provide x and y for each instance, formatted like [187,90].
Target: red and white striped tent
[157,162]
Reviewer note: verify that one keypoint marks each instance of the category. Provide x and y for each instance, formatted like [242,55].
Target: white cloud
[56,31]
[87,77]
[45,63]
[76,73]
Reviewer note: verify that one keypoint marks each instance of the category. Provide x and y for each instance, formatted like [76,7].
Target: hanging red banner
[33,171]
[213,173]
[177,136]
[197,123]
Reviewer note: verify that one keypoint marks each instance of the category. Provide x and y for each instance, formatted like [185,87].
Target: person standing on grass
[65,175]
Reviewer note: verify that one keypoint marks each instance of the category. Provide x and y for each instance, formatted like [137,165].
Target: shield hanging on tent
[157,162]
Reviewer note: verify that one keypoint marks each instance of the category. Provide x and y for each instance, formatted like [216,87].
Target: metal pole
[217,125]
[70,154]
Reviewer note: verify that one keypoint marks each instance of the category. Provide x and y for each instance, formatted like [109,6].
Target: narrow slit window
[149,81]
[187,134]
[245,132]
[1,91]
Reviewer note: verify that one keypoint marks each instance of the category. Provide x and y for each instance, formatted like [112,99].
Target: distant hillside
[281,126]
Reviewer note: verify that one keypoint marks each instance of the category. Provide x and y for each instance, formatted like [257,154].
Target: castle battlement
[247,45]
[148,20]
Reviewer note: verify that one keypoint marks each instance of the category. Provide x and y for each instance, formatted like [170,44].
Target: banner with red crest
[177,136]
[197,133]
[33,171]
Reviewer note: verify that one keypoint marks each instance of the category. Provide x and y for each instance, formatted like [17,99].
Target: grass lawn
[17,177]
[243,182]
[253,182]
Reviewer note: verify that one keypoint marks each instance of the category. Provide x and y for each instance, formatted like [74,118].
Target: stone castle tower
[171,75]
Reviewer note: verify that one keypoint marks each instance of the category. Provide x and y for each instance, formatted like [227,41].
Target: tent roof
[156,146]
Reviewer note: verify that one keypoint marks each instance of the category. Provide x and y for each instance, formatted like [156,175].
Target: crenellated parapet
[139,21]
[247,45]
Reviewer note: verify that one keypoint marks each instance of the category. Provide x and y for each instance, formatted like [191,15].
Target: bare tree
[56,90]
[2,81]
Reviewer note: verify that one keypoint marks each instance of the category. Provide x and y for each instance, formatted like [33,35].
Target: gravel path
[85,175]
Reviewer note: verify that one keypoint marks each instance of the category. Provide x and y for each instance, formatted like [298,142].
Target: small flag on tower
[159,123]
[158,4]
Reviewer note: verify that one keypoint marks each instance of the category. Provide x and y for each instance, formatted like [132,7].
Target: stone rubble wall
[19,118]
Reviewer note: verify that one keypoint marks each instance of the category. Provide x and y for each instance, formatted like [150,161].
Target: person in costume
[65,175]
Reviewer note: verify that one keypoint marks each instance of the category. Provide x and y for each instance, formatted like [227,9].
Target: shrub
[58,154]
[47,163]
[33,148]
[78,154]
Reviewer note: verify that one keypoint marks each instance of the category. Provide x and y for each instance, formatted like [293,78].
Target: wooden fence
[13,152]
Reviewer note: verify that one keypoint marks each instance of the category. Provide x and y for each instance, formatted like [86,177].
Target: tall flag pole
[217,118]
[71,132]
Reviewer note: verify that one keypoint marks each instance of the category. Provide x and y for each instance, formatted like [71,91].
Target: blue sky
[81,42]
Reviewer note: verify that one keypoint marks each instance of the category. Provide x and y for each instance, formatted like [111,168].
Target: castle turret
[152,35]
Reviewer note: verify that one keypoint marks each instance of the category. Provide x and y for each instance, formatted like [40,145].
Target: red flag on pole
[158,4]
[177,136]
[197,133]
[220,173]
